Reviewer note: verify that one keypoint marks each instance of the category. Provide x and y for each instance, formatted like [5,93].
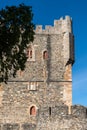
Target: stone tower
[39,96]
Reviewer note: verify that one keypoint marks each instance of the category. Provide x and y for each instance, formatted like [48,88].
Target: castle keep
[40,97]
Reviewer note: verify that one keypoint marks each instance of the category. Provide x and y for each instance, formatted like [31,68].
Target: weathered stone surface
[10,127]
[29,126]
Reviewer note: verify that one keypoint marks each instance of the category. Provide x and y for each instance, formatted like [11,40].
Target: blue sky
[45,11]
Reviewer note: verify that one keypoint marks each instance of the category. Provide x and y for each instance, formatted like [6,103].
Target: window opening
[29,53]
[50,111]
[45,55]
[33,111]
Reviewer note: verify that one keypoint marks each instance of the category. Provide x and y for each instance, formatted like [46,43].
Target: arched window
[45,55]
[29,52]
[33,111]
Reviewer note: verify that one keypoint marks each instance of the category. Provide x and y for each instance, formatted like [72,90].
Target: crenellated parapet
[77,111]
[59,118]
[50,117]
[60,26]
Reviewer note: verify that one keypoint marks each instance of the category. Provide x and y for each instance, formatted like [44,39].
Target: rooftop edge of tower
[62,25]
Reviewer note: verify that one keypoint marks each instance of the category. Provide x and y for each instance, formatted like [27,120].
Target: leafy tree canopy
[16,32]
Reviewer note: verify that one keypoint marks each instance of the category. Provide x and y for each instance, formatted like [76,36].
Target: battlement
[50,117]
[79,111]
[63,111]
[59,118]
[60,26]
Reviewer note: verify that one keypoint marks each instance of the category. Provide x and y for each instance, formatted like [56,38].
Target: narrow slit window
[29,53]
[50,111]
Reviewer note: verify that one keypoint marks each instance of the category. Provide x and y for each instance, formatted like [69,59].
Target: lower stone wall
[69,123]
[59,119]
[49,118]
[25,126]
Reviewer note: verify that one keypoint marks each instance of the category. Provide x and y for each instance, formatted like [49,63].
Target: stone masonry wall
[56,119]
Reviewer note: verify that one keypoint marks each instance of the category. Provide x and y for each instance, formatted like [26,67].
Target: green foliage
[16,32]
